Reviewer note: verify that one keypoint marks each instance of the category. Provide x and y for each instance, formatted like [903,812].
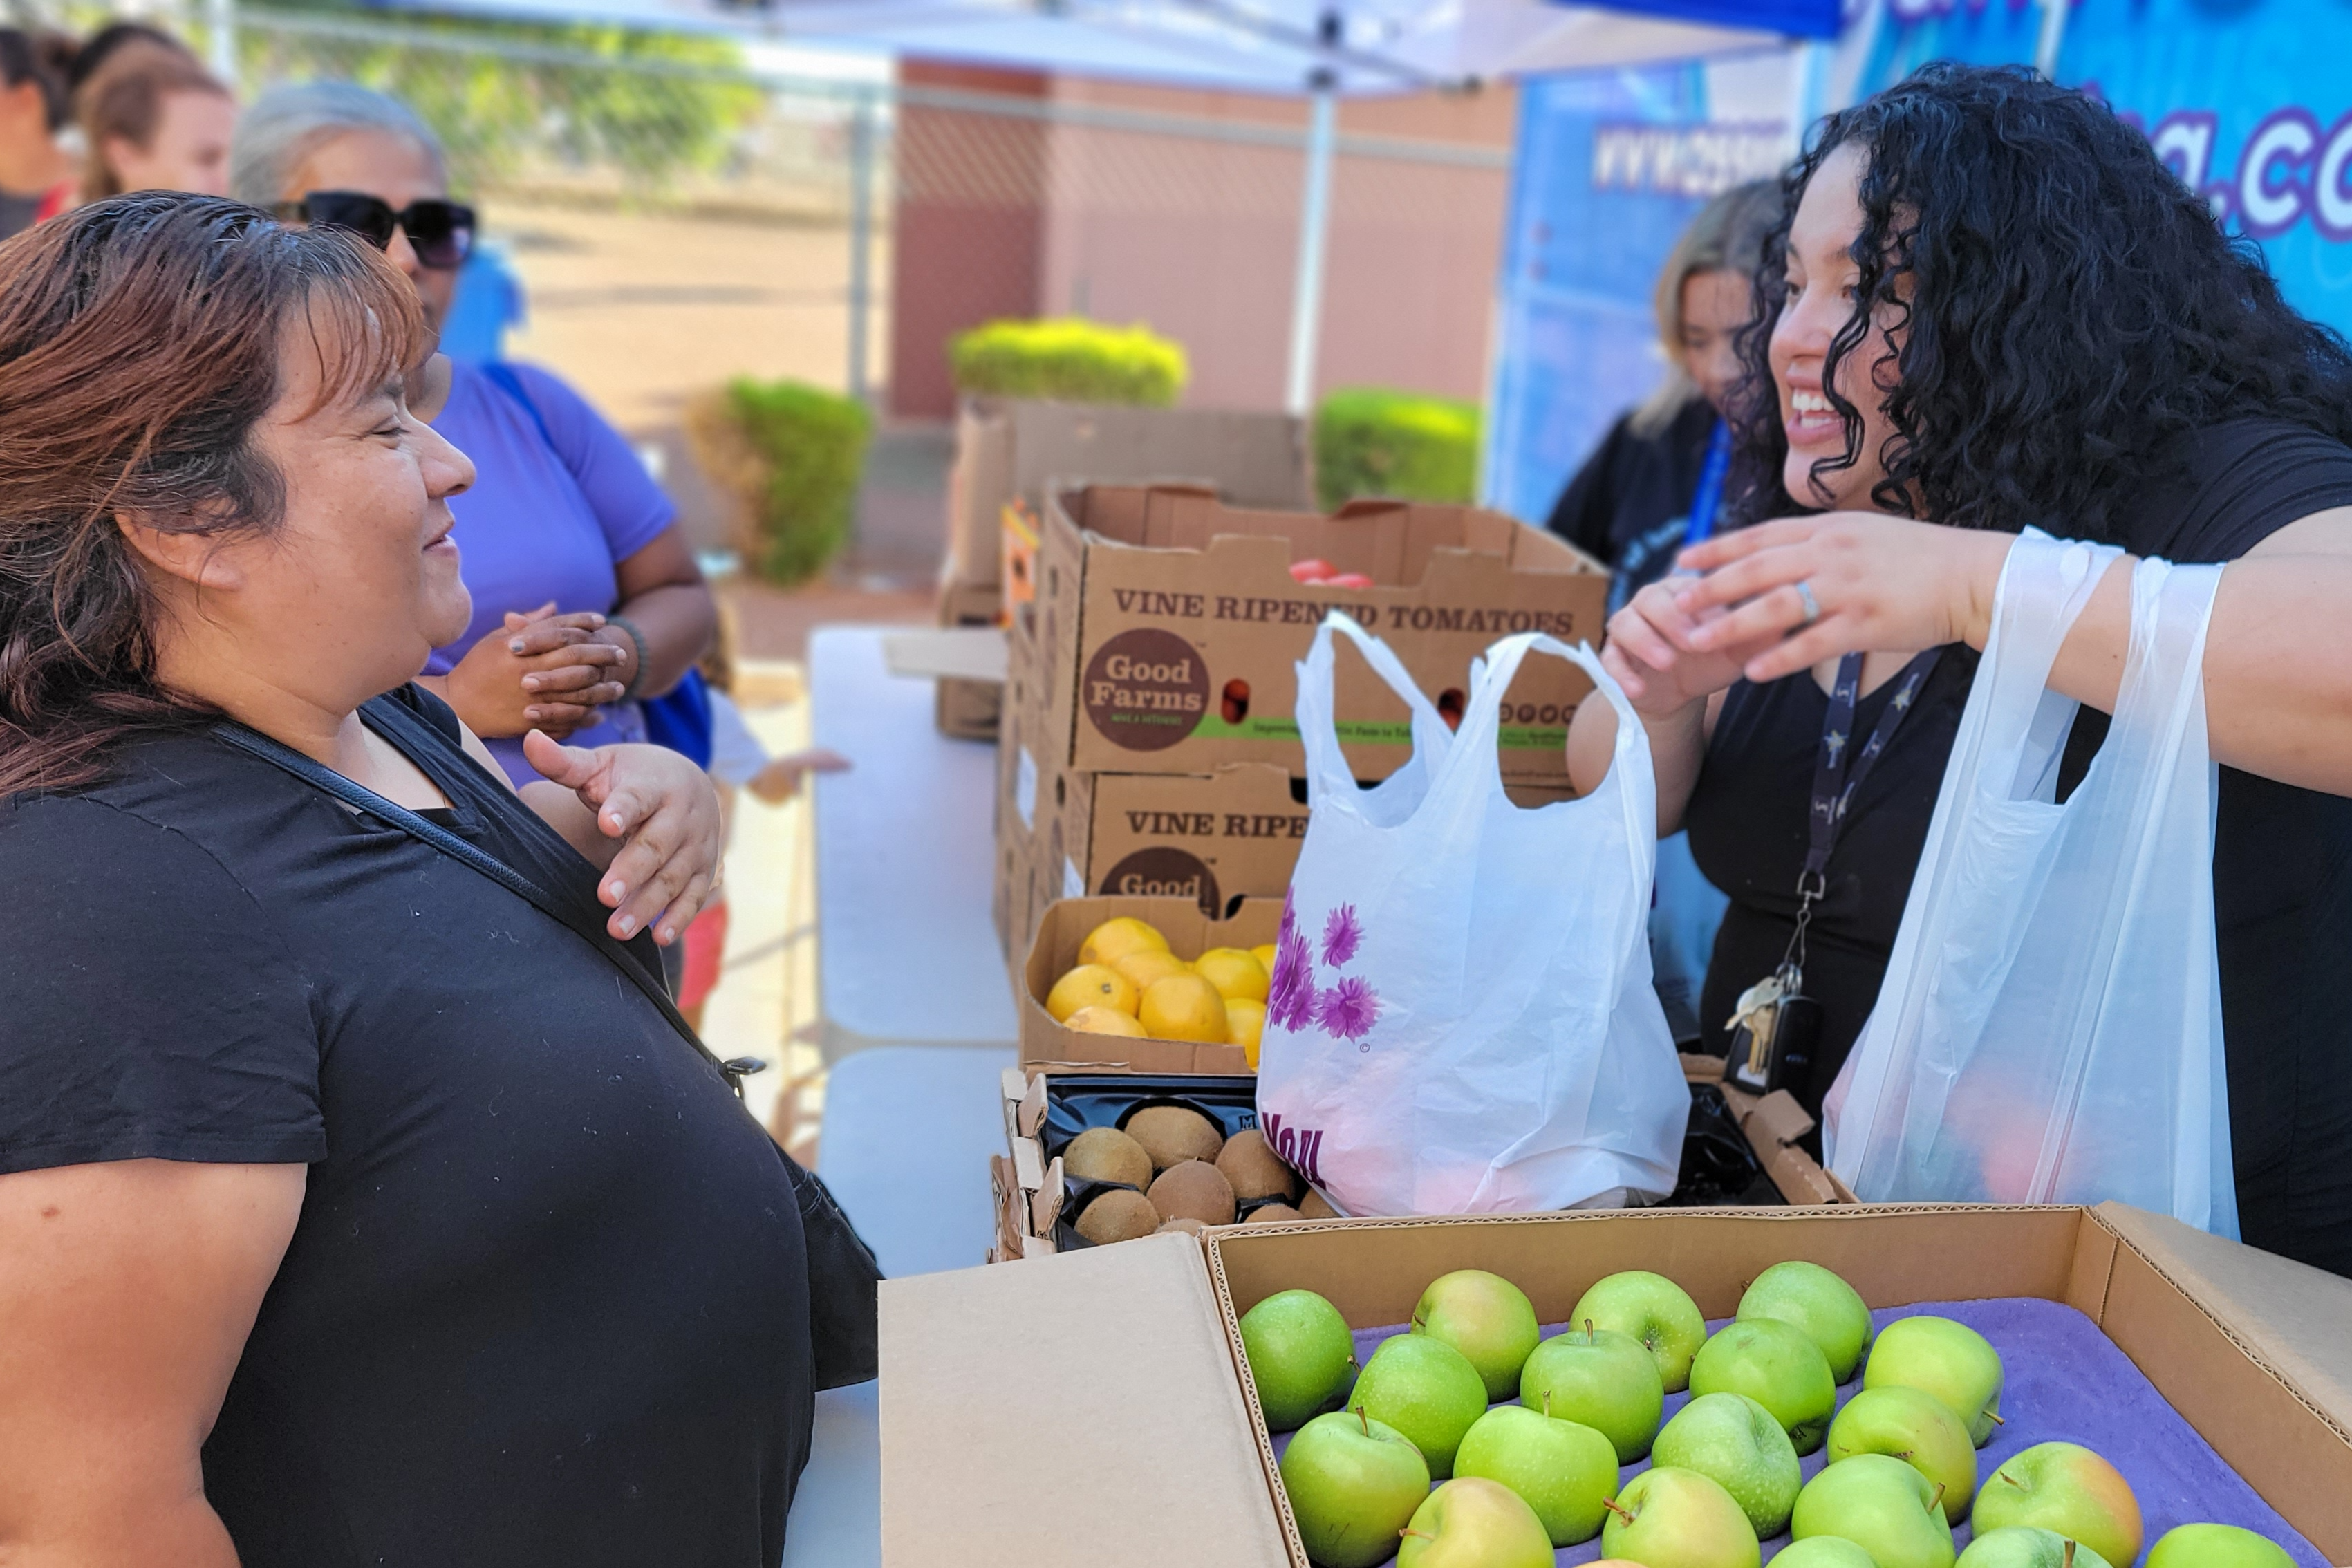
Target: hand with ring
[1784,596]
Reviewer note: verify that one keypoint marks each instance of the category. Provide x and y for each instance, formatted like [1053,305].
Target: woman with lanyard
[1655,482]
[1992,308]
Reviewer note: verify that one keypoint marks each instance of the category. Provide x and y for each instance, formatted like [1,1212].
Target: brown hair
[45,59]
[139,350]
[127,104]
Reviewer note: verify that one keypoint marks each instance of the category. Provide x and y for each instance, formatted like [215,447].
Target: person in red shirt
[37,176]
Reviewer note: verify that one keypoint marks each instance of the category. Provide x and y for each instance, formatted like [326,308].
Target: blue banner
[1610,166]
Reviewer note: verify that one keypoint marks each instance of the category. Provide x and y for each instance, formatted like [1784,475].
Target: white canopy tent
[1321,49]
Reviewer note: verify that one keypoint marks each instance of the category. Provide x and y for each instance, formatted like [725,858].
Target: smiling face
[1822,279]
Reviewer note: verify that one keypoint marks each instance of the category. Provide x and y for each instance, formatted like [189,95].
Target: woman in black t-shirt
[333,1174]
[1990,306]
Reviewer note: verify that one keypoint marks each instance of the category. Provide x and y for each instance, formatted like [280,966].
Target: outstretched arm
[2278,653]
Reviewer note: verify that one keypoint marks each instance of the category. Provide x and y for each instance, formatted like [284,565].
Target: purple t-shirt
[543,523]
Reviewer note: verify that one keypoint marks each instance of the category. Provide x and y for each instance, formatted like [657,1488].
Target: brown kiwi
[1183,1222]
[1171,1135]
[1106,1154]
[1313,1207]
[1268,1214]
[1117,1214]
[1194,1189]
[1254,1169]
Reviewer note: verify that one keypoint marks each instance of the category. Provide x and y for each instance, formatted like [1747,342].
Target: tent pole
[1314,230]
[861,232]
[220,18]
[2053,37]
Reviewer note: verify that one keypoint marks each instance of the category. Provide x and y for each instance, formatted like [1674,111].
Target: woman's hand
[1652,651]
[546,672]
[1880,583]
[659,812]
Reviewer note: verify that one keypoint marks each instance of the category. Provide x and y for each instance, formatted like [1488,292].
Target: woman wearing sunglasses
[585,596]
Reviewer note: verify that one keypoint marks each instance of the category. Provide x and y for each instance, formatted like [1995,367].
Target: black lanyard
[1838,769]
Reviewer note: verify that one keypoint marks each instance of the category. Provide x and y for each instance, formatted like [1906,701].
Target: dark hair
[103,44]
[128,105]
[46,59]
[139,349]
[2074,313]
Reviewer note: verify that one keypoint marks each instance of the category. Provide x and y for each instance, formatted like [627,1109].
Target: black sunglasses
[442,232]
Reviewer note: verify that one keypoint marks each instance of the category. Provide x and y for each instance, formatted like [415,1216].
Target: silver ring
[1812,606]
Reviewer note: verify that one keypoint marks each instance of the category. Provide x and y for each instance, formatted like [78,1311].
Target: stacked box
[1148,742]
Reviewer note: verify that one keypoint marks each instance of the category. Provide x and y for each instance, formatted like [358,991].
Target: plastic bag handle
[1327,764]
[1477,757]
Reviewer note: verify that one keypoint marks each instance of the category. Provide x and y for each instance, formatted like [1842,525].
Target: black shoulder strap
[321,776]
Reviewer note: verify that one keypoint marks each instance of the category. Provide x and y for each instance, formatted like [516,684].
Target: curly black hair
[2074,312]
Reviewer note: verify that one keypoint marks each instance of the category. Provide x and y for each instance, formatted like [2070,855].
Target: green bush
[1068,360]
[1370,441]
[792,454]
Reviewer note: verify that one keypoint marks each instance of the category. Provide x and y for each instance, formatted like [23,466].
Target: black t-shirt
[2281,857]
[546,1301]
[1634,486]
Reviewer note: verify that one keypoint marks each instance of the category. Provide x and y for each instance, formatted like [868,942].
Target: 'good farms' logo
[1164,873]
[1146,689]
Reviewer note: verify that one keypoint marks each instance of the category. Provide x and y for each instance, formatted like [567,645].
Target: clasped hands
[546,671]
[1732,608]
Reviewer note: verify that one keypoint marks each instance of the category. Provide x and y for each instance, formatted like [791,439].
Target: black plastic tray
[1719,1168]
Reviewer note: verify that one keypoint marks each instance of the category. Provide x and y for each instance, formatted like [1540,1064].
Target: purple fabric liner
[2066,1382]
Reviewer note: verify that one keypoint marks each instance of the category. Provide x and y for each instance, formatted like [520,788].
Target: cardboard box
[1167,628]
[1124,1363]
[1053,950]
[969,710]
[1007,449]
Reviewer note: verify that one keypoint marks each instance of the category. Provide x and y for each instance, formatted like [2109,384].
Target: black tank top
[2281,859]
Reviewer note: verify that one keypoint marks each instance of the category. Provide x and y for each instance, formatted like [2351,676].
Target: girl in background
[158,122]
[36,174]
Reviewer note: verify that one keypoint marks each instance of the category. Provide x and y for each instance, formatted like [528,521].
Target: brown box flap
[1076,1408]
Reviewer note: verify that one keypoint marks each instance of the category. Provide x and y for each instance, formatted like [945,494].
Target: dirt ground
[644,311]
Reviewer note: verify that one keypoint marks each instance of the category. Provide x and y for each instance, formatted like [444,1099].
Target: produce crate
[1167,628]
[1123,1365]
[1008,448]
[1190,931]
[969,710]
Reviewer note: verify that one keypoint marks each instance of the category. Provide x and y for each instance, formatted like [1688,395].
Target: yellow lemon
[1104,1021]
[1264,953]
[1148,966]
[1183,1007]
[1246,1021]
[1234,973]
[1114,939]
[1091,985]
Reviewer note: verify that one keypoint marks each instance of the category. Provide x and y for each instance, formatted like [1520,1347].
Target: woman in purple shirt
[585,597]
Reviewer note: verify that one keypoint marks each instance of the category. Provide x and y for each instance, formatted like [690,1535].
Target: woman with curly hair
[1990,307]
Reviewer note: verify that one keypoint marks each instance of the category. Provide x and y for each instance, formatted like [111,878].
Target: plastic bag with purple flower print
[1461,1019]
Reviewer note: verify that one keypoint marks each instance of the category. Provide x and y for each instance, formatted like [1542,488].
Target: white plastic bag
[2050,1026]
[1462,1019]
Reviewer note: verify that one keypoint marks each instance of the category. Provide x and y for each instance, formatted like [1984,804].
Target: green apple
[1425,1389]
[1352,1484]
[1487,1318]
[1300,1353]
[1564,1470]
[2067,1488]
[1809,1296]
[1605,1381]
[1822,1551]
[1916,1427]
[1740,1446]
[1473,1522]
[1883,1506]
[1779,1368]
[2022,1546]
[1654,1311]
[1678,1519]
[1948,1360]
[2216,1546]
